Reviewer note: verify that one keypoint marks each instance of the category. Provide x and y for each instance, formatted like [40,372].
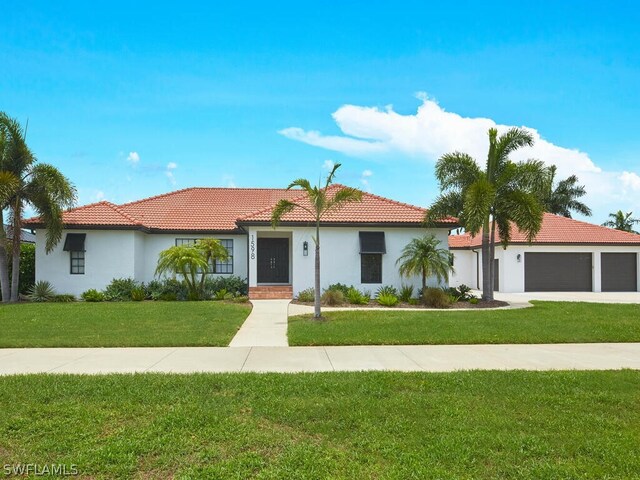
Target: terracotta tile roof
[372,209]
[220,209]
[557,230]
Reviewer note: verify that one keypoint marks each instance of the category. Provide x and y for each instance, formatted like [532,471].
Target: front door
[273,260]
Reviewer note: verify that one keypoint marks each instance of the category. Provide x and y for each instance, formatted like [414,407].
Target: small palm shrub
[119,289]
[387,300]
[138,294]
[92,295]
[333,297]
[356,297]
[340,287]
[42,291]
[387,290]
[222,295]
[406,292]
[473,301]
[436,298]
[307,296]
[63,298]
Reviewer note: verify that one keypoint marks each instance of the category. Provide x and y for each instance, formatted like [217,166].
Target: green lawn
[515,425]
[546,322]
[120,324]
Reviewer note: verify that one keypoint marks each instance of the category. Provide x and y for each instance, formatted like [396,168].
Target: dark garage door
[557,272]
[619,272]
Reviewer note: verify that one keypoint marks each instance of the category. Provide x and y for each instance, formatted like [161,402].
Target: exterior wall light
[305,248]
[519,258]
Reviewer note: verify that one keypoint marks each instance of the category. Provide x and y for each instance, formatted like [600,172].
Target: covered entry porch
[270,264]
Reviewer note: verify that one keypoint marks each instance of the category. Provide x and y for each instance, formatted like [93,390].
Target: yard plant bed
[546,322]
[520,425]
[374,304]
[120,324]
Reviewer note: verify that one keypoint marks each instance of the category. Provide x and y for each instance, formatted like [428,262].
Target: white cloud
[229,181]
[133,158]
[328,165]
[171,166]
[99,196]
[376,133]
[364,179]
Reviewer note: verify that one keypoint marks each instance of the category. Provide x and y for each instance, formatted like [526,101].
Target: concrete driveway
[595,297]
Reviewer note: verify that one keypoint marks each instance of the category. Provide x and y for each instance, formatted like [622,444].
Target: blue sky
[256,94]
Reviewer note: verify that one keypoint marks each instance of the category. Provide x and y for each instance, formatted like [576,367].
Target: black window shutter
[74,242]
[372,242]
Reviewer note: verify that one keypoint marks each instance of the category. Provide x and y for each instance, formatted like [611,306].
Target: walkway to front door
[266,325]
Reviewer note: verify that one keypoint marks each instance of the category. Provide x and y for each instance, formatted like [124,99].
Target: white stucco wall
[109,254]
[511,272]
[340,255]
[117,254]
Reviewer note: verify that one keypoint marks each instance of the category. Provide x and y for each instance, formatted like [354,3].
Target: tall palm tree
[424,257]
[23,183]
[483,200]
[562,198]
[318,202]
[622,221]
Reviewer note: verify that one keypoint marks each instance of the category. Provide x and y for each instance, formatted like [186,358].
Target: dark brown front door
[273,260]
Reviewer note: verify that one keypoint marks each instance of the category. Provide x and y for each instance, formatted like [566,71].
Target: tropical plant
[406,292]
[356,297]
[386,290]
[307,295]
[26,183]
[120,289]
[187,261]
[485,200]
[42,291]
[63,298]
[318,202]
[622,221]
[561,198]
[138,294]
[212,250]
[340,287]
[92,295]
[424,257]
[436,298]
[387,300]
[333,297]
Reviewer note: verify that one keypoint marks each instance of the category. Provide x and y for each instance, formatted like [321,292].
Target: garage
[558,272]
[619,272]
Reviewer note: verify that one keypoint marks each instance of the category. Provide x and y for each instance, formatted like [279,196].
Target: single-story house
[25,237]
[360,243]
[567,255]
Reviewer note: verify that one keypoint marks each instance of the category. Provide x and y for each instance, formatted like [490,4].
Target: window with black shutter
[372,247]
[74,244]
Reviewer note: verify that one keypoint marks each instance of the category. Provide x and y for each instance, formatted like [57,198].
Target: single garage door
[619,272]
[557,272]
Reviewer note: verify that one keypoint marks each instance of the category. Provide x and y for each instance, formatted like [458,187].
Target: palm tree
[23,183]
[212,250]
[483,200]
[423,256]
[562,198]
[186,260]
[622,221]
[318,202]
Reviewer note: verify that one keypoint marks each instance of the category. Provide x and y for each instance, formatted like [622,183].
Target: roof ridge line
[270,207]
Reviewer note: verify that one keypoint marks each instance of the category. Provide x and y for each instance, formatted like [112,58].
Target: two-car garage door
[557,272]
[572,272]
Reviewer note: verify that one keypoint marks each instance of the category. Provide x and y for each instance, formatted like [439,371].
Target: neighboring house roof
[223,209]
[556,230]
[25,237]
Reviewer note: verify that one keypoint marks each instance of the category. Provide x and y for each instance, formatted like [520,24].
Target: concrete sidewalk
[427,358]
[266,325]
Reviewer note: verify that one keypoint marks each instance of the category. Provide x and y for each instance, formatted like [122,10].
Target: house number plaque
[252,247]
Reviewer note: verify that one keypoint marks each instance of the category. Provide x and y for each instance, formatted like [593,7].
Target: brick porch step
[271,292]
